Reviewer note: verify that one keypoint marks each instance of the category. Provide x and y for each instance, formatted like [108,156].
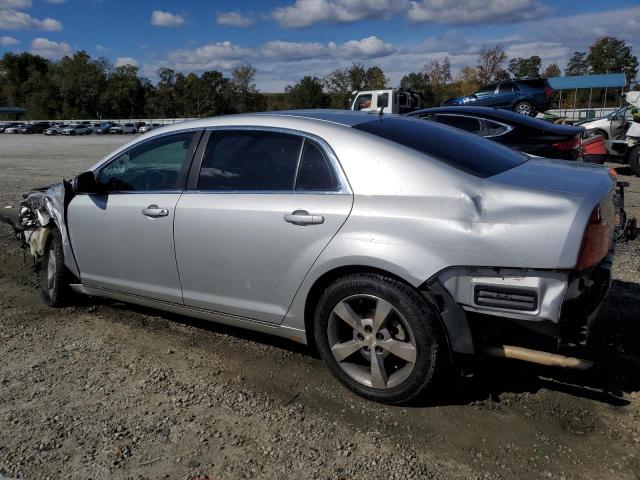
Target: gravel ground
[107,390]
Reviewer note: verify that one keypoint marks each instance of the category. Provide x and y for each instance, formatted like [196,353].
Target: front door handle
[154,211]
[302,217]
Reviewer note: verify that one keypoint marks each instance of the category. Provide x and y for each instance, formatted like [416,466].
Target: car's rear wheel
[524,108]
[54,277]
[379,337]
[634,160]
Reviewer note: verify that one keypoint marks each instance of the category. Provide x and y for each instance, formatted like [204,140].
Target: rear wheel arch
[329,277]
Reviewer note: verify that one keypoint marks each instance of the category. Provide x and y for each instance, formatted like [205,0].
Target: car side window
[486,90]
[363,101]
[151,166]
[469,124]
[315,172]
[249,160]
[508,87]
[489,128]
[383,100]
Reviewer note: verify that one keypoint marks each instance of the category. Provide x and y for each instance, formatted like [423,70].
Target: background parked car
[526,134]
[612,126]
[55,129]
[102,128]
[40,127]
[522,96]
[4,126]
[124,128]
[15,128]
[148,127]
[26,128]
[77,129]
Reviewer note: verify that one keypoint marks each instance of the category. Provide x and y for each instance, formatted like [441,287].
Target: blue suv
[527,97]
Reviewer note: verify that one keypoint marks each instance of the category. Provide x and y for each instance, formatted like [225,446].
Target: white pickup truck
[392,100]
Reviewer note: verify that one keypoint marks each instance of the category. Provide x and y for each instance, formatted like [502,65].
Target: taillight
[548,92]
[596,241]
[570,144]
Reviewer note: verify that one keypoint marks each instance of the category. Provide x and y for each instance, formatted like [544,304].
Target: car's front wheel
[54,277]
[524,108]
[379,337]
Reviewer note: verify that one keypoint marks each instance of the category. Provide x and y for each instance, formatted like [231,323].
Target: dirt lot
[106,390]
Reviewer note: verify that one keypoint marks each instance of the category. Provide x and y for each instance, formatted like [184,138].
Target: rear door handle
[154,211]
[302,217]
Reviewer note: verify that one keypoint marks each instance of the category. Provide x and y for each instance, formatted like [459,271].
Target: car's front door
[484,96]
[123,238]
[263,206]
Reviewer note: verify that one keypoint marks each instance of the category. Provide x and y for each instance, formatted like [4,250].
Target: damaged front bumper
[41,210]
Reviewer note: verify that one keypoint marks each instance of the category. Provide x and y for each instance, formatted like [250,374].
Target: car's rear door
[123,239]
[505,95]
[255,216]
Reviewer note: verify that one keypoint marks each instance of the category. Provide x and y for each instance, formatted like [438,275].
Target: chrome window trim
[104,163]
[343,184]
[114,157]
[481,119]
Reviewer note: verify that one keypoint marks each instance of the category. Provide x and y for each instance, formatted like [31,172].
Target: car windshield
[463,151]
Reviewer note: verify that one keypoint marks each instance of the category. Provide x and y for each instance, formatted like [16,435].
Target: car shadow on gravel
[615,351]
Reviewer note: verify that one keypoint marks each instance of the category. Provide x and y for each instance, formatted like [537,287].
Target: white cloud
[225,55]
[14,20]
[49,49]
[462,12]
[122,61]
[370,47]
[14,4]
[101,48]
[166,19]
[7,41]
[57,2]
[308,12]
[233,19]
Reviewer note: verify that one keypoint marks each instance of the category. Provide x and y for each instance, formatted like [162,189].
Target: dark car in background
[40,127]
[526,97]
[529,135]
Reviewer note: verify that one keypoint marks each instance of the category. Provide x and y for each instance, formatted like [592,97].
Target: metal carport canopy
[607,80]
[12,111]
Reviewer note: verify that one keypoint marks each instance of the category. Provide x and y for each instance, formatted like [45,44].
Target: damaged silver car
[393,245]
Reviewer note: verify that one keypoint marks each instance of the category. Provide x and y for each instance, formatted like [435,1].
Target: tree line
[78,86]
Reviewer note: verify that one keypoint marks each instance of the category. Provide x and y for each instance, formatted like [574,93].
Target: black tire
[431,355]
[54,277]
[634,160]
[524,108]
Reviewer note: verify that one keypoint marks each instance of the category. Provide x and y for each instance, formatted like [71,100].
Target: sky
[288,39]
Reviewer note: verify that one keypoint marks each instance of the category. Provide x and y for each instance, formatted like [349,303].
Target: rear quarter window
[463,151]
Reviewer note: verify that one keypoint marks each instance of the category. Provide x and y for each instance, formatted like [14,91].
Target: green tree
[577,64]
[307,93]
[525,67]
[123,95]
[419,83]
[243,79]
[81,82]
[338,84]
[375,79]
[216,93]
[552,70]
[613,55]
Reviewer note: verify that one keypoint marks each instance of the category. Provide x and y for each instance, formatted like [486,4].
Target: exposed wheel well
[327,279]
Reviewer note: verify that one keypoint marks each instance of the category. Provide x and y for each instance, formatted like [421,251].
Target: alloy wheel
[371,341]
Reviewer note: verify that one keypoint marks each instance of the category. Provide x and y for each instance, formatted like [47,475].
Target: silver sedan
[392,245]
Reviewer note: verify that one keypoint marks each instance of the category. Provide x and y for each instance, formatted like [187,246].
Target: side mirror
[85,183]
